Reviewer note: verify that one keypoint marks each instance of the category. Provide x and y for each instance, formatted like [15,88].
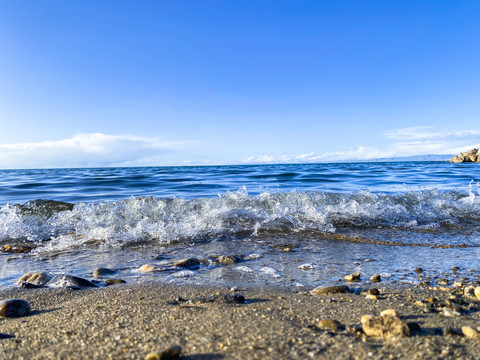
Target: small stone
[146,268]
[35,278]
[371,297]
[17,249]
[390,312]
[375,278]
[419,270]
[229,259]
[455,268]
[6,336]
[191,262]
[114,281]
[442,281]
[152,356]
[355,277]
[451,313]
[69,281]
[470,333]
[384,326]
[14,308]
[477,292]
[172,353]
[374,291]
[335,289]
[100,272]
[328,324]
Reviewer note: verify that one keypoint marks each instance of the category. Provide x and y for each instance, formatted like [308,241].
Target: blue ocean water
[328,216]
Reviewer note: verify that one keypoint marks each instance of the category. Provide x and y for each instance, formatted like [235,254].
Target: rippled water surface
[330,217]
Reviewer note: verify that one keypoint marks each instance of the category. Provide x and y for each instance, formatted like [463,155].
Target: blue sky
[106,83]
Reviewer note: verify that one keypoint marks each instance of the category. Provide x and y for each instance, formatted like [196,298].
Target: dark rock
[234,299]
[100,272]
[114,281]
[69,281]
[419,270]
[44,208]
[6,336]
[27,285]
[374,291]
[191,262]
[14,308]
[375,278]
[335,289]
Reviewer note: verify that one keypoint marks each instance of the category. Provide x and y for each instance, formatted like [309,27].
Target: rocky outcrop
[469,156]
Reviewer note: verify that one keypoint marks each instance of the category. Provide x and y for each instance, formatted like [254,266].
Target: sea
[291,225]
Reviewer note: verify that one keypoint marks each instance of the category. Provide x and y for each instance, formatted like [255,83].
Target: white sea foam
[161,221]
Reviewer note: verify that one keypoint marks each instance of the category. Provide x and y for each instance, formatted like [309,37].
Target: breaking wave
[151,220]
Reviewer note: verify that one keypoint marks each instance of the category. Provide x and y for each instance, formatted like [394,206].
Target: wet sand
[130,321]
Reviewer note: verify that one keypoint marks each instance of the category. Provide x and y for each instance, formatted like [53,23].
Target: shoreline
[129,321]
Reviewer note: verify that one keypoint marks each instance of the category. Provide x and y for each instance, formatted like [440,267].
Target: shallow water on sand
[291,225]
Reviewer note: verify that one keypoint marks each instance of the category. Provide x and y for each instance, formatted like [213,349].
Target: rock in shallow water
[355,277]
[35,278]
[100,272]
[14,308]
[69,281]
[191,262]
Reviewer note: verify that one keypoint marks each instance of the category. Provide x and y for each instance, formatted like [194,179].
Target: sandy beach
[131,321]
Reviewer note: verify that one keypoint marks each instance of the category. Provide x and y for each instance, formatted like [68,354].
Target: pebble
[470,333]
[35,278]
[14,308]
[371,297]
[451,313]
[355,277]
[114,281]
[375,278]
[328,324]
[229,259]
[100,272]
[477,292]
[307,266]
[419,270]
[335,289]
[390,312]
[374,291]
[172,353]
[146,268]
[191,262]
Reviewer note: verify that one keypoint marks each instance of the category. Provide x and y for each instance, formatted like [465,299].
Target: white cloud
[424,140]
[95,149]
